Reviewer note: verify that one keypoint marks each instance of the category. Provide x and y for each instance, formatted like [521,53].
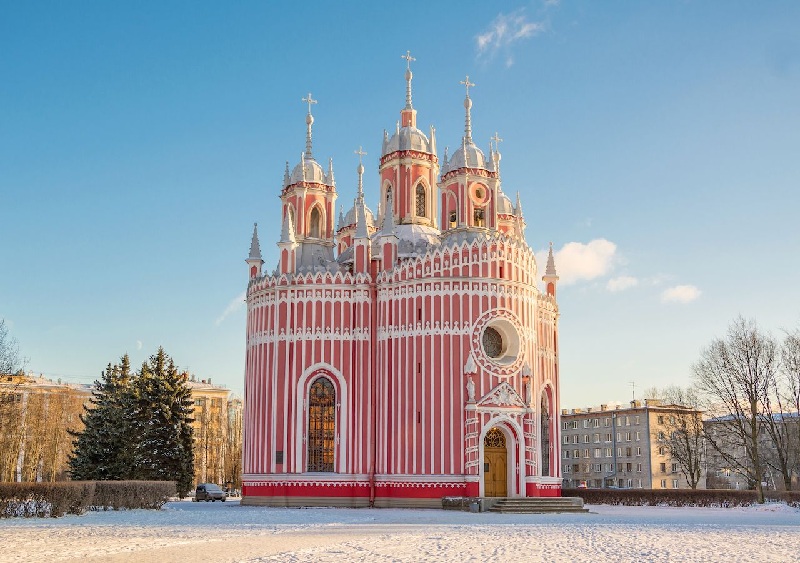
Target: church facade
[398,357]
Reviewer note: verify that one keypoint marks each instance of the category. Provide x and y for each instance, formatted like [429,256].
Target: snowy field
[186,531]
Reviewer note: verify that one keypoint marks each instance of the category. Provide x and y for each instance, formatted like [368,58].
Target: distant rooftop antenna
[633,389]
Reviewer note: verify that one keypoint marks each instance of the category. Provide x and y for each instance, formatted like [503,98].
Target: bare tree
[685,427]
[10,360]
[790,379]
[734,377]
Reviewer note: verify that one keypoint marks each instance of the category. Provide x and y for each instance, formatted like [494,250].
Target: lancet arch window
[321,439]
[420,201]
[315,223]
[545,439]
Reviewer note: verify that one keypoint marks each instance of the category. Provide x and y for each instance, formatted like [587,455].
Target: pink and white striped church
[400,357]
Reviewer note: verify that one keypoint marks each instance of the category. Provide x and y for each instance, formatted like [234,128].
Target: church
[401,356]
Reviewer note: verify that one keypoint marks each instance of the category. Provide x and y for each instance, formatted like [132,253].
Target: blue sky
[656,144]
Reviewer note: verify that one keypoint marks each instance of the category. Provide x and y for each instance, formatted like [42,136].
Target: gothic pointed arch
[420,199]
[316,222]
[545,431]
[321,438]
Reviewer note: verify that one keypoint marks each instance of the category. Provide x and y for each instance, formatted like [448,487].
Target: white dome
[467,156]
[350,218]
[504,204]
[314,172]
[413,240]
[408,138]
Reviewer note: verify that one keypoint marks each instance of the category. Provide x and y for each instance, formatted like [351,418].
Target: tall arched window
[421,212]
[478,218]
[321,425]
[315,224]
[545,439]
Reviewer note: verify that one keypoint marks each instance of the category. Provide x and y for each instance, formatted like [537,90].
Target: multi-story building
[628,447]
[217,433]
[36,417]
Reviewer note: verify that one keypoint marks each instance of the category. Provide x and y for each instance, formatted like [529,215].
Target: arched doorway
[495,464]
[321,426]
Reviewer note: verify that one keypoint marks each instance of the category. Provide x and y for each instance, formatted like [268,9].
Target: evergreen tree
[161,422]
[101,451]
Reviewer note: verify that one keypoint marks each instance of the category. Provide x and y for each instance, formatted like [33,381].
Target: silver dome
[350,218]
[408,138]
[467,156]
[314,172]
[504,204]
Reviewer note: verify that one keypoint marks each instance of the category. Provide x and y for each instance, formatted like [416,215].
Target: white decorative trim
[504,395]
[342,393]
[309,334]
[485,362]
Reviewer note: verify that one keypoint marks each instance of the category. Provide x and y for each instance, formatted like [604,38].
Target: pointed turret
[287,229]
[287,246]
[550,278]
[254,260]
[331,180]
[286,180]
[387,237]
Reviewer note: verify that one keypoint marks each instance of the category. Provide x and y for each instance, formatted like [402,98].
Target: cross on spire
[360,152]
[309,100]
[309,121]
[467,83]
[409,75]
[408,59]
[496,140]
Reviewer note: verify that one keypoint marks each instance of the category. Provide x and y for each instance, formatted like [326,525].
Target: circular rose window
[498,341]
[492,342]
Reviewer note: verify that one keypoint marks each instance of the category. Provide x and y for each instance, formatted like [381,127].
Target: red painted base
[539,490]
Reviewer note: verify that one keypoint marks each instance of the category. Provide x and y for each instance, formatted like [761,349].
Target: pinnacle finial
[360,152]
[467,107]
[309,121]
[409,75]
[255,248]
[550,269]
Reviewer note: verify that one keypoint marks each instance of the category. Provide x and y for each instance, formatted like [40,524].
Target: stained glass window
[492,343]
[321,425]
[420,200]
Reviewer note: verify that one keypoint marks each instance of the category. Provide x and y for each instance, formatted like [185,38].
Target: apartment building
[621,447]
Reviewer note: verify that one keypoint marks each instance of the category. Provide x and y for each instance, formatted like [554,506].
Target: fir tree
[101,451]
[161,422]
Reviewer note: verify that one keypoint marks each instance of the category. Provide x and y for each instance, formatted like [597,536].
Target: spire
[309,121]
[286,175]
[385,141]
[409,75]
[255,248]
[467,107]
[496,153]
[518,209]
[388,218]
[287,232]
[331,179]
[360,152]
[550,270]
[361,219]
[341,217]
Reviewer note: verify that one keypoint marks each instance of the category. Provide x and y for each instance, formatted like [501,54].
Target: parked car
[208,492]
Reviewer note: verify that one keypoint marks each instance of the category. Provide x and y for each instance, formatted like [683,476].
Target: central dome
[408,138]
[313,172]
[467,156]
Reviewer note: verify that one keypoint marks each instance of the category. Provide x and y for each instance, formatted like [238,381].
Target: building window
[638,468]
[479,219]
[609,437]
[627,452]
[598,452]
[637,419]
[660,435]
[638,436]
[674,467]
[597,438]
[660,420]
[596,423]
[492,342]
[609,452]
[453,219]
[321,425]
[638,451]
[585,438]
[315,223]
[674,483]
[574,424]
[663,468]
[661,450]
[627,436]
[606,422]
[663,483]
[421,201]
[566,427]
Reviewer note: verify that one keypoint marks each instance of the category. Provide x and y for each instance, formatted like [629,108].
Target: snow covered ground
[186,531]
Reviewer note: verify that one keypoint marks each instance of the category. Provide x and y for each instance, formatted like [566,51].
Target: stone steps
[538,505]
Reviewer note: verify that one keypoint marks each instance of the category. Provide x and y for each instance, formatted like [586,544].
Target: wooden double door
[495,464]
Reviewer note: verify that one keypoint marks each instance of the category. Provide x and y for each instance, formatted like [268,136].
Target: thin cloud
[680,294]
[235,304]
[577,262]
[504,31]
[621,283]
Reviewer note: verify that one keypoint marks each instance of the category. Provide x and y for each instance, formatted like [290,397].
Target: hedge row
[76,497]
[681,497]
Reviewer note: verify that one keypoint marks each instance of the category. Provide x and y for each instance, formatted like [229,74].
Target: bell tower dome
[409,167]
